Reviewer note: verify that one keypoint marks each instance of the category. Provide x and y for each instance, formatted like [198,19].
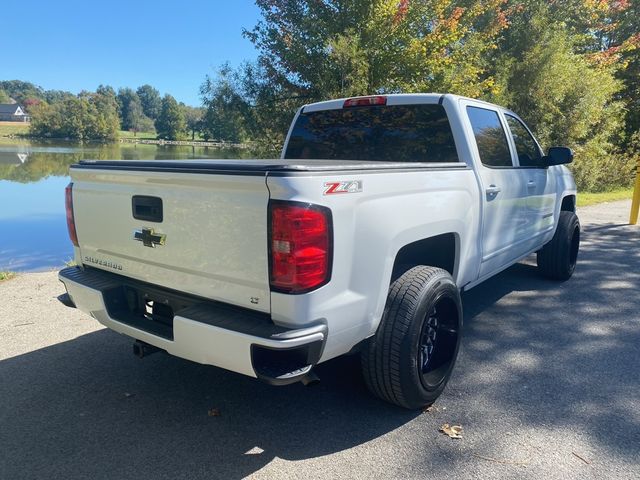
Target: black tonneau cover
[256,167]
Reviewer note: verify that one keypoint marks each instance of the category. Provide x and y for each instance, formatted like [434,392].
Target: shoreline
[193,143]
[132,140]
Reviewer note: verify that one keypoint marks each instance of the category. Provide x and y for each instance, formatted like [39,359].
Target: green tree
[145,124]
[565,97]
[102,120]
[326,48]
[20,90]
[129,108]
[193,119]
[134,115]
[89,116]
[224,106]
[52,96]
[106,90]
[605,32]
[150,100]
[4,97]
[624,48]
[170,123]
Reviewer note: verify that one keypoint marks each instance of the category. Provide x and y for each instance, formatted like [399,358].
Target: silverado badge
[148,237]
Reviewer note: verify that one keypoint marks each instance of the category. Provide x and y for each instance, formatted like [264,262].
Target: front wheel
[410,358]
[558,258]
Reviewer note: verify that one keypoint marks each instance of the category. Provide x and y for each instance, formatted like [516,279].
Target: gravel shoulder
[547,386]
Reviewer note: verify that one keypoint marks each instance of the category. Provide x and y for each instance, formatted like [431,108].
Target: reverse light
[365,101]
[71,224]
[300,246]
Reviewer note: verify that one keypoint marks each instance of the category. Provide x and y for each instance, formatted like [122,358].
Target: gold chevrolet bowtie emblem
[148,237]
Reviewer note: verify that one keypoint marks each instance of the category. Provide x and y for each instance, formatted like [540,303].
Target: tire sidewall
[566,237]
[415,392]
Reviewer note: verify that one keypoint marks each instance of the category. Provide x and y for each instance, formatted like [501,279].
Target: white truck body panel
[215,227]
[379,222]
[217,232]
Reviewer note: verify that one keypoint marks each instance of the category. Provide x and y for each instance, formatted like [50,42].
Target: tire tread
[381,359]
[553,259]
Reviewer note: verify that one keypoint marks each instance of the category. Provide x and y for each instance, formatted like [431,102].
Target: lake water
[33,227]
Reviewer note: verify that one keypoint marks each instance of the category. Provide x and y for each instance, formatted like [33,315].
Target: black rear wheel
[410,358]
[438,340]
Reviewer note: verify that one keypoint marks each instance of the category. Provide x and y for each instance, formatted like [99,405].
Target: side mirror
[559,156]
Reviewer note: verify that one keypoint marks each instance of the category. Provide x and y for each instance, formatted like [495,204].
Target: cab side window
[491,138]
[528,152]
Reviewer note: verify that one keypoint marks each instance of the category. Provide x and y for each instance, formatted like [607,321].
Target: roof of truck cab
[392,99]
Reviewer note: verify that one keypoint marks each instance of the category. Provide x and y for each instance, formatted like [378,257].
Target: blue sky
[75,45]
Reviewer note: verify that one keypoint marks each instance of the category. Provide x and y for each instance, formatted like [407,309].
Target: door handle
[493,190]
[531,184]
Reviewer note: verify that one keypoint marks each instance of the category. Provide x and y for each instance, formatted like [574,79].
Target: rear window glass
[394,133]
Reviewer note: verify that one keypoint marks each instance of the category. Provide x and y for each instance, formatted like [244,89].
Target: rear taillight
[71,224]
[365,101]
[300,246]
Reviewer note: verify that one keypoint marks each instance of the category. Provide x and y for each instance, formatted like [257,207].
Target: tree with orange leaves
[329,48]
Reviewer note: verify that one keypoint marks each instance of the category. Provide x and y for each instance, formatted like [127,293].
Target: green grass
[138,135]
[153,136]
[6,276]
[585,198]
[13,128]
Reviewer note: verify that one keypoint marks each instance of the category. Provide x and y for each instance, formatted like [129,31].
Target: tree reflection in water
[30,162]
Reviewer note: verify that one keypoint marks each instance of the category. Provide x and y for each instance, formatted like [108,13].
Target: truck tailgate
[211,241]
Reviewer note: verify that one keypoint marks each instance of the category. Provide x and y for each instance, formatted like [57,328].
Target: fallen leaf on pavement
[430,408]
[582,458]
[453,431]
[214,412]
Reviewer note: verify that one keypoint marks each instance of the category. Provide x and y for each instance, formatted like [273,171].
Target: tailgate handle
[147,208]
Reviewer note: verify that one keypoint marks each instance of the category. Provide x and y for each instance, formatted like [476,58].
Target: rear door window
[384,133]
[491,138]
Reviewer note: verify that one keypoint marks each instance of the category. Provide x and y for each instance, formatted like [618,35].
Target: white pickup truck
[358,240]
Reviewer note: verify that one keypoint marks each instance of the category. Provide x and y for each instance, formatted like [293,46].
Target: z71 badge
[347,186]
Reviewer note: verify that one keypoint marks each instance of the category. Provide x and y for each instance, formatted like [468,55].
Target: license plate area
[145,308]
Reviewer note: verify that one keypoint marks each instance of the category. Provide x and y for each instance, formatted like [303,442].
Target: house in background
[12,112]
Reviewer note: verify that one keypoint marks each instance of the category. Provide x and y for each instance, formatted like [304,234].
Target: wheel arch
[568,203]
[440,251]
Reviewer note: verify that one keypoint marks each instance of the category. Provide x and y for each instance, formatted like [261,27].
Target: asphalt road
[547,386]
